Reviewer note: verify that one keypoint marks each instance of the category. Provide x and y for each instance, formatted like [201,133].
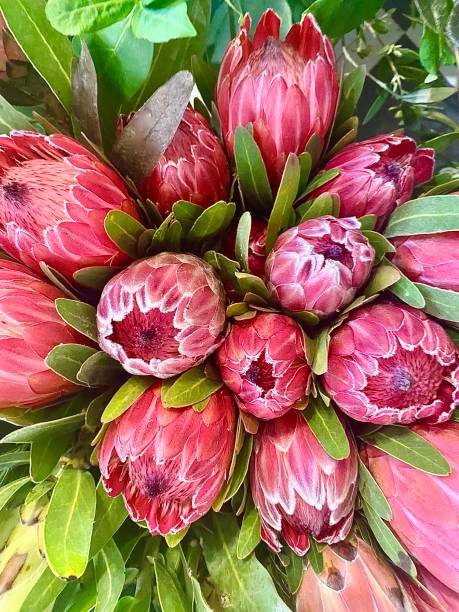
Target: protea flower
[298,489]
[194,167]
[162,315]
[287,90]
[263,362]
[377,175]
[430,259]
[389,363]
[257,243]
[54,197]
[424,507]
[353,578]
[439,597]
[319,265]
[169,464]
[29,328]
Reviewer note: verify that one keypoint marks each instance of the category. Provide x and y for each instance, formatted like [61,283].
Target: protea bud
[263,362]
[389,363]
[424,507]
[162,315]
[298,489]
[257,243]
[377,175]
[194,167]
[319,266]
[437,598]
[29,328]
[353,578]
[287,90]
[169,464]
[54,196]
[430,259]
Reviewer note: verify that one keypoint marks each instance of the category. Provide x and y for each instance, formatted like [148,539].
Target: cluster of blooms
[388,363]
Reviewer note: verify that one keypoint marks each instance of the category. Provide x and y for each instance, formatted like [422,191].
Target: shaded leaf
[372,494]
[79,316]
[67,359]
[170,593]
[124,231]
[315,557]
[43,593]
[110,515]
[100,370]
[189,388]
[11,119]
[322,178]
[126,395]
[283,205]
[249,536]
[336,17]
[251,171]
[294,571]
[14,459]
[212,221]
[47,429]
[242,240]
[327,428]
[45,453]
[9,490]
[351,90]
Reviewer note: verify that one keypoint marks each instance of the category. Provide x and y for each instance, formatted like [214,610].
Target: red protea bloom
[287,90]
[389,363]
[162,315]
[353,578]
[169,464]
[29,328]
[263,362]
[319,266]
[430,259]
[377,175]
[194,167]
[257,244]
[425,514]
[298,489]
[54,197]
[440,598]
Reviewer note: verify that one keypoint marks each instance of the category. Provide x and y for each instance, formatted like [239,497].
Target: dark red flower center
[260,373]
[156,484]
[332,250]
[15,193]
[393,171]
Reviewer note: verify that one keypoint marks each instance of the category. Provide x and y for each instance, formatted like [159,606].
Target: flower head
[169,464]
[389,363]
[319,265]
[162,315]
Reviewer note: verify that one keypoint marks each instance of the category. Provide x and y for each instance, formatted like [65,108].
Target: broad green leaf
[409,447]
[225,267]
[67,359]
[337,17]
[124,231]
[372,494]
[100,370]
[79,315]
[382,278]
[249,536]
[170,593]
[212,221]
[109,570]
[251,171]
[440,303]
[325,204]
[249,283]
[428,215]
[14,459]
[69,523]
[248,585]
[95,277]
[126,395]
[294,571]
[43,593]
[283,204]
[110,515]
[12,119]
[160,23]
[327,428]
[380,244]
[189,388]
[368,222]
[45,430]
[242,240]
[430,95]
[186,212]
[315,557]
[174,539]
[406,290]
[10,489]
[45,453]
[78,16]
[48,51]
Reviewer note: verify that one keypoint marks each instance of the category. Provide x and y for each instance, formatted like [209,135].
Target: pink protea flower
[162,315]
[287,90]
[263,362]
[430,259]
[353,578]
[54,197]
[377,175]
[389,363]
[425,514]
[319,265]
[169,464]
[257,243]
[29,328]
[194,167]
[440,597]
[298,489]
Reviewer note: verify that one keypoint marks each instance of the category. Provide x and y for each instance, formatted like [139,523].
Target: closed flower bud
[29,328]
[425,515]
[389,363]
[54,197]
[263,362]
[169,464]
[287,90]
[298,489]
[376,175]
[194,167]
[162,315]
[319,266]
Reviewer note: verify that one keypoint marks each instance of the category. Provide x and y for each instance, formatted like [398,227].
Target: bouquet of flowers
[228,366]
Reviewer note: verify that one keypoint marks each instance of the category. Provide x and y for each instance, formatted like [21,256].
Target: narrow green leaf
[170,593]
[12,119]
[200,603]
[110,515]
[440,303]
[126,395]
[372,494]
[190,388]
[239,473]
[109,570]
[305,160]
[43,593]
[249,536]
[45,454]
[10,489]
[174,539]
[95,277]
[327,428]
[67,359]
[283,204]
[124,231]
[100,370]
[47,429]
[79,316]
[406,290]
[351,91]
[251,171]
[429,95]
[439,143]
[323,205]
[315,557]
[322,178]
[14,459]
[242,240]
[428,215]
[294,571]
[212,221]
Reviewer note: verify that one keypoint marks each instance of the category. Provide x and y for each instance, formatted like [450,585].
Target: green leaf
[100,370]
[79,316]
[161,23]
[240,471]
[47,429]
[186,212]
[429,215]
[242,240]
[430,95]
[440,143]
[337,17]
[39,490]
[249,283]
[372,494]
[407,446]
[109,570]
[110,515]
[351,91]
[10,489]
[95,277]
[322,178]
[14,459]
[78,16]
[315,557]
[294,571]
[376,106]
[440,303]
[11,119]
[174,539]
[283,204]
[325,204]
[380,244]
[45,453]
[48,51]
[406,290]
[212,221]
[189,388]
[43,593]
[382,278]
[200,603]
[67,359]
[170,593]
[126,395]
[225,267]
[249,536]
[69,523]
[124,231]
[205,76]
[327,428]
[251,171]
[305,160]
[247,584]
